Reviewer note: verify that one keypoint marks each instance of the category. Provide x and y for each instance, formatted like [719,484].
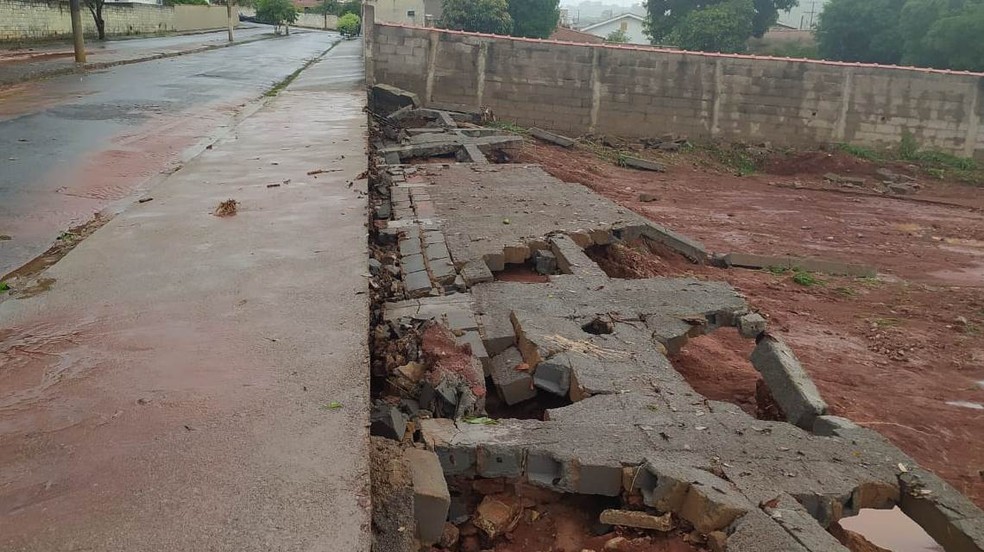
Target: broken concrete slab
[454,142]
[385,99]
[544,262]
[571,259]
[751,325]
[417,284]
[643,164]
[431,498]
[835,268]
[637,519]
[387,421]
[789,383]
[562,141]
[513,384]
[832,426]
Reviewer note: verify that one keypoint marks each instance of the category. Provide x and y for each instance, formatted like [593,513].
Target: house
[570,35]
[403,12]
[629,23]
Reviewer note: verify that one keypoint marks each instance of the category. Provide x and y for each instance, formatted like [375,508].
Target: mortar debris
[227,208]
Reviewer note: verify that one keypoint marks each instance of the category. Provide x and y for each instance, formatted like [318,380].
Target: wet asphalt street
[72,146]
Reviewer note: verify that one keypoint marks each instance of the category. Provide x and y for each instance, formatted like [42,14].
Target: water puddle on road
[891,530]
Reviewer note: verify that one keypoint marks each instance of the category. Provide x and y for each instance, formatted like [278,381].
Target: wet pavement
[191,382]
[18,64]
[77,144]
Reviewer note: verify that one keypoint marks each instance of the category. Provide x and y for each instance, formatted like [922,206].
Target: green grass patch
[4,286]
[886,322]
[735,157]
[860,152]
[805,279]
[508,126]
[778,270]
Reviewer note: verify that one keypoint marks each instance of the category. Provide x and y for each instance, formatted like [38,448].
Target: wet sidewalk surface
[19,64]
[196,382]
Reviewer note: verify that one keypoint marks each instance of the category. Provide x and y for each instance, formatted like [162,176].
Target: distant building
[570,35]
[403,12]
[629,23]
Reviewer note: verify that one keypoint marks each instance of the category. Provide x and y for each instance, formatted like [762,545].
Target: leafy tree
[663,16]
[339,8]
[617,36]
[480,16]
[349,24]
[96,9]
[534,18]
[186,2]
[718,28]
[861,30]
[276,12]
[958,40]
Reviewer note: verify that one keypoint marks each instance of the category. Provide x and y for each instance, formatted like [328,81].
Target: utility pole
[229,13]
[77,31]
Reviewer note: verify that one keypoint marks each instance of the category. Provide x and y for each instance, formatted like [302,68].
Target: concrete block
[387,421]
[832,426]
[544,262]
[438,435]
[514,386]
[442,271]
[643,164]
[751,325]
[409,246]
[571,259]
[516,254]
[562,141]
[461,320]
[544,470]
[637,519]
[789,383]
[437,251]
[685,245]
[386,99]
[412,263]
[431,499]
[554,375]
[433,236]
[417,284]
[474,340]
[596,479]
[496,461]
[496,261]
[836,268]
[476,272]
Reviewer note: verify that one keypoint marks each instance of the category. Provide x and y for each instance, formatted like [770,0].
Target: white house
[629,23]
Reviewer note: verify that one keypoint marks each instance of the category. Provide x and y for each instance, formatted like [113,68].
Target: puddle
[891,529]
[966,404]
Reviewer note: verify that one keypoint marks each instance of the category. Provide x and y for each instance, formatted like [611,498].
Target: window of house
[624,26]
[411,13]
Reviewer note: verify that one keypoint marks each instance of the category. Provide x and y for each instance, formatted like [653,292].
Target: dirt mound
[817,162]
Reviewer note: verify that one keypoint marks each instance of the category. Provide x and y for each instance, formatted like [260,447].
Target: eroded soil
[902,354]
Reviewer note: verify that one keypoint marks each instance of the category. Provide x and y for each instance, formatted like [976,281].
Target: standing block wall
[636,92]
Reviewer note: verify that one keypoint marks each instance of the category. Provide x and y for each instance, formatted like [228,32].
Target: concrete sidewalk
[23,64]
[190,382]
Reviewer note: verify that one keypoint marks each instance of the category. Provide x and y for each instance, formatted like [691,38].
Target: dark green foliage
[664,16]
[349,24]
[719,28]
[336,7]
[479,16]
[945,34]
[276,12]
[617,36]
[534,18]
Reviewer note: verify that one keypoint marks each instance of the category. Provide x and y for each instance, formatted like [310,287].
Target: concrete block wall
[27,20]
[638,92]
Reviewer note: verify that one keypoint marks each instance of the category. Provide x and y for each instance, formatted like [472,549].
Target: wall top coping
[638,47]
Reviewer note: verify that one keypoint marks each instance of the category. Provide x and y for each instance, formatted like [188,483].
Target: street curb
[105,65]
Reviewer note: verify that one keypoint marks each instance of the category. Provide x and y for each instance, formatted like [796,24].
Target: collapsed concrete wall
[636,92]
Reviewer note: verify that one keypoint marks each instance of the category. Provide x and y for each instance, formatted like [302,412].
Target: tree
[276,12]
[349,24]
[663,16]
[617,36]
[861,30]
[958,40]
[534,18]
[96,9]
[719,28]
[479,16]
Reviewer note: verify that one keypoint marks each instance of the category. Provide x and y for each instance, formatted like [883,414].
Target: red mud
[888,353]
[445,356]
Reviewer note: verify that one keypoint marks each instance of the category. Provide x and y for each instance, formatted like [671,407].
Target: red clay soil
[445,356]
[902,354]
